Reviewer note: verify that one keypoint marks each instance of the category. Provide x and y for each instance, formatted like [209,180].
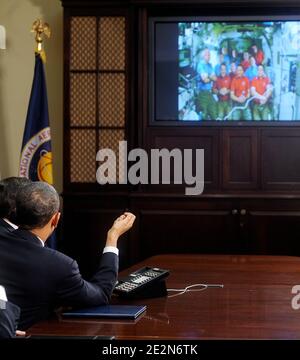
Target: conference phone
[143,283]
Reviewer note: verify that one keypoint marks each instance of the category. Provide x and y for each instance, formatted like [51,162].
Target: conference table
[255,302]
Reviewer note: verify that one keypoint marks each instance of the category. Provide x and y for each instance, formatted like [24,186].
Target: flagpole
[40,29]
[36,150]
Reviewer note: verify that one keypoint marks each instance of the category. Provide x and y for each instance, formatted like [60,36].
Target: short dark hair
[9,188]
[36,204]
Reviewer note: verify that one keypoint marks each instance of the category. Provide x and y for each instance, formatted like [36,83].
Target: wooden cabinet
[240,168]
[251,200]
[229,225]
[170,224]
[273,229]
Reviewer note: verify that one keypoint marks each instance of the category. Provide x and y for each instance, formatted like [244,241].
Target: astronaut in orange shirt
[261,88]
[240,92]
[258,55]
[221,87]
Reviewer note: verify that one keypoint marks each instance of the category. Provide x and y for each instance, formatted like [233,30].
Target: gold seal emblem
[45,167]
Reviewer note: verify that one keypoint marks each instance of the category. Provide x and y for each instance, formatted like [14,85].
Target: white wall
[16,74]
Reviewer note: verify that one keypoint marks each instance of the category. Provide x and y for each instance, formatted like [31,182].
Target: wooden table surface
[255,302]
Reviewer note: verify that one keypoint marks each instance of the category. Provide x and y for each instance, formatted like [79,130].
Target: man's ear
[55,219]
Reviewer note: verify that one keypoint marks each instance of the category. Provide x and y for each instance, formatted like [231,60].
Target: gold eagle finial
[40,28]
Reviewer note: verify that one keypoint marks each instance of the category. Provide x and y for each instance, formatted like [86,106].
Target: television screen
[220,70]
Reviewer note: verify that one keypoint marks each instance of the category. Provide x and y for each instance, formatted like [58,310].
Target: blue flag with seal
[36,154]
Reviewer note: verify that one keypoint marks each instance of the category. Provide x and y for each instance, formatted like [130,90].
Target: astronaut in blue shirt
[206,102]
[217,69]
[251,72]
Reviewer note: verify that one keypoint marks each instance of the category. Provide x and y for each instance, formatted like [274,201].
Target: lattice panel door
[97,91]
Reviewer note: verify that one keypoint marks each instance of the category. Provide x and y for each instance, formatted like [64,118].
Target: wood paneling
[181,3]
[190,138]
[240,166]
[162,232]
[86,220]
[273,232]
[281,159]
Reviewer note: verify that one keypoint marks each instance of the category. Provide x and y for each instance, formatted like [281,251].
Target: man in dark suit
[8,192]
[38,279]
[9,316]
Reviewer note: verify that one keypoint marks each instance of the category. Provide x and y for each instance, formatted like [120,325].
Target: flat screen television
[224,70]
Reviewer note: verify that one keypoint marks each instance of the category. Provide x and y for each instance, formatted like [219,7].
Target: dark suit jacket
[38,279]
[9,317]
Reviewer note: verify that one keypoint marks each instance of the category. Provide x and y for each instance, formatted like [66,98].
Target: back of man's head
[36,205]
[9,188]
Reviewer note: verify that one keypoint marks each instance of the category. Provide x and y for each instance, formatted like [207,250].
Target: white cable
[188,288]
[239,107]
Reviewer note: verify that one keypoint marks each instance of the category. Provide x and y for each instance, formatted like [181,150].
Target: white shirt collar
[41,241]
[2,294]
[14,226]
